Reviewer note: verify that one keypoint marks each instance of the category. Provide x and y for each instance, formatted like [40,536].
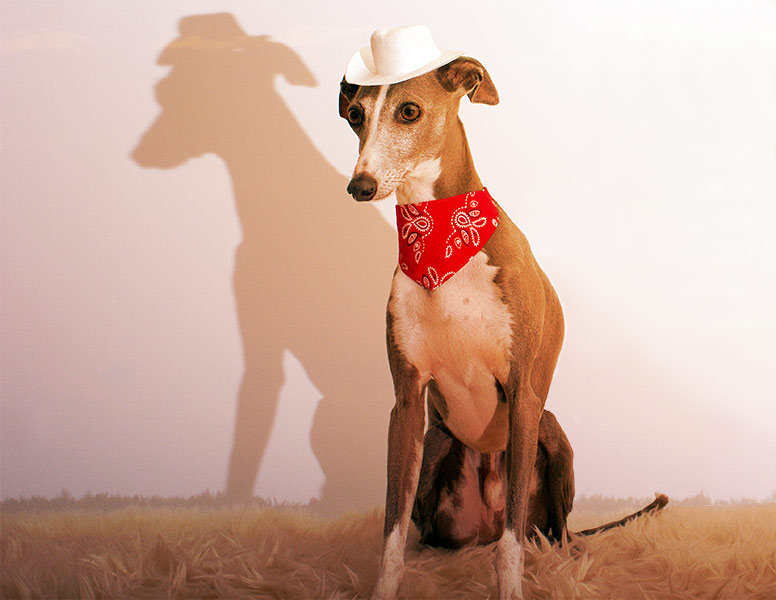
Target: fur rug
[258,552]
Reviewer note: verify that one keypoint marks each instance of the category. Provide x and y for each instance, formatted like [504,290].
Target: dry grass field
[117,548]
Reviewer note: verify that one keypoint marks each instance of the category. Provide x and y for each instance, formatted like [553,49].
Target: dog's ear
[347,93]
[469,76]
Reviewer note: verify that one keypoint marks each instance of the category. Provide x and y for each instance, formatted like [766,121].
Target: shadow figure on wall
[313,268]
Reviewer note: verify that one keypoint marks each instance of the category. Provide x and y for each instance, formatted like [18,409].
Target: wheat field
[136,548]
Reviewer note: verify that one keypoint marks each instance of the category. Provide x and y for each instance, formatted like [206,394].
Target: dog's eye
[355,116]
[409,112]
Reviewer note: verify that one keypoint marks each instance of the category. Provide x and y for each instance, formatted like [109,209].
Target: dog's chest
[459,335]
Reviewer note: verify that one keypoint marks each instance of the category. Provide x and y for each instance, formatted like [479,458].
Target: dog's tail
[660,501]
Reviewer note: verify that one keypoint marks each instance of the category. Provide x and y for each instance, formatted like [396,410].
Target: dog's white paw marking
[509,566]
[391,567]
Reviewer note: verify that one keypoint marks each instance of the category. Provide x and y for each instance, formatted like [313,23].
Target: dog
[474,327]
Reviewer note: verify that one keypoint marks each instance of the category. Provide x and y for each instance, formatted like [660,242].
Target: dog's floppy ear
[347,93]
[468,75]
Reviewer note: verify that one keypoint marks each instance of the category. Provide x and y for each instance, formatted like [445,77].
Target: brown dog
[480,344]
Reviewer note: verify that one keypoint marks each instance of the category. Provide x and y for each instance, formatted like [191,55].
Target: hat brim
[360,70]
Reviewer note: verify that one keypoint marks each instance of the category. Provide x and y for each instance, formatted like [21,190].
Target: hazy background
[190,300]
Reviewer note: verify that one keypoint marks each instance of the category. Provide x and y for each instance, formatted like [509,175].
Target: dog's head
[403,127]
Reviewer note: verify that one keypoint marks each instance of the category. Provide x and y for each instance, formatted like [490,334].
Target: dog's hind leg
[438,456]
[439,507]
[558,474]
[460,497]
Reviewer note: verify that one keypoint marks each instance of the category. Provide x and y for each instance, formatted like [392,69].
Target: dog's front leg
[524,415]
[405,451]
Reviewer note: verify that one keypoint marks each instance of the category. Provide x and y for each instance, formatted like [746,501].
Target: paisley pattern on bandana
[417,225]
[438,238]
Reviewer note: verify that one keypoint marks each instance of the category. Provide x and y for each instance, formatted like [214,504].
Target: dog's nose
[362,187]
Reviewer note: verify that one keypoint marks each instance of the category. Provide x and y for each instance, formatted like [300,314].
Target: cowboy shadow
[313,268]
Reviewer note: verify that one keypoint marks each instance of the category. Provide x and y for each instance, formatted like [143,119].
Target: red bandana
[438,238]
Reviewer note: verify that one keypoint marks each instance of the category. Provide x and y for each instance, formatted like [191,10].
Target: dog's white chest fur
[459,335]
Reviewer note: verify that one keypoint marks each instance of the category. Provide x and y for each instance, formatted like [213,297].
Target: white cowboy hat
[396,54]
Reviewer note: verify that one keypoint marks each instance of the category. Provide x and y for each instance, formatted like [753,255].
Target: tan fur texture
[253,552]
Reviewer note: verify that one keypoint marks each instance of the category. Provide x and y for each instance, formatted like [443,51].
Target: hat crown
[396,54]
[402,49]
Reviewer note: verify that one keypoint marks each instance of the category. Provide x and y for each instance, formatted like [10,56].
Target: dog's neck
[449,174]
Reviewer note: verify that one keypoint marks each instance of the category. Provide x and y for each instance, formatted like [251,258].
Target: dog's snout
[362,187]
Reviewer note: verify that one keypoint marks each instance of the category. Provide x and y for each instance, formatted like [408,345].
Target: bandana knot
[438,238]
